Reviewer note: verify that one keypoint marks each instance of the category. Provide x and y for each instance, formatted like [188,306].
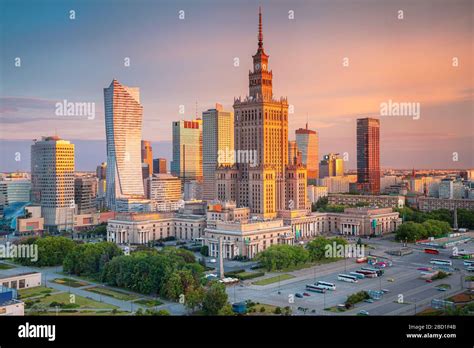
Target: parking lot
[415,292]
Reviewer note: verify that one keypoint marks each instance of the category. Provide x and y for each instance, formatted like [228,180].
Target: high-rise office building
[187,150]
[147,158]
[85,194]
[261,127]
[101,185]
[218,146]
[123,125]
[15,191]
[368,155]
[159,166]
[331,165]
[307,142]
[164,191]
[52,182]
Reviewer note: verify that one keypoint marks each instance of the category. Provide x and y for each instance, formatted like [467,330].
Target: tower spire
[260,33]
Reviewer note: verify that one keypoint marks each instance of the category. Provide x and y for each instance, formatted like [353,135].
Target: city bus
[431,251]
[315,288]
[326,285]
[357,275]
[441,262]
[367,274]
[347,278]
[468,263]
[379,272]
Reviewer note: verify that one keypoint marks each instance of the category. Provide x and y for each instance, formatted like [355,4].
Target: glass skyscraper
[123,126]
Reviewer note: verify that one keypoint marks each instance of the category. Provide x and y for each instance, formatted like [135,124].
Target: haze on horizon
[190,62]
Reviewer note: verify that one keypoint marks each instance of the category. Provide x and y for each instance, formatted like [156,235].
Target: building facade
[164,191]
[147,157]
[142,228]
[160,166]
[368,155]
[187,150]
[218,146]
[85,194]
[430,203]
[383,201]
[123,125]
[308,143]
[52,182]
[331,165]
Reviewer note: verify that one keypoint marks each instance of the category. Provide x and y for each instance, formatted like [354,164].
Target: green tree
[194,298]
[215,299]
[204,250]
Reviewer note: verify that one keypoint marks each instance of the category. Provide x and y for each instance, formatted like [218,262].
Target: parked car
[369,300]
[363,312]
[429,281]
[385,291]
[299,295]
[391,280]
[212,260]
[306,294]
[442,289]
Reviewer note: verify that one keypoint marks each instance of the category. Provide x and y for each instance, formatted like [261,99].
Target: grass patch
[82,302]
[444,286]
[6,266]
[70,282]
[112,293]
[335,309]
[308,265]
[272,280]
[34,292]
[148,302]
[262,309]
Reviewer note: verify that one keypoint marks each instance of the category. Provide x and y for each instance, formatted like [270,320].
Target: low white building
[141,228]
[246,238]
[21,281]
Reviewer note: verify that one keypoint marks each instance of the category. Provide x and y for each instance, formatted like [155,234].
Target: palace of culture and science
[261,125]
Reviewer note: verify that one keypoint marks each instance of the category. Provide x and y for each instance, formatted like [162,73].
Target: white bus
[468,263]
[347,278]
[357,275]
[315,288]
[441,262]
[326,285]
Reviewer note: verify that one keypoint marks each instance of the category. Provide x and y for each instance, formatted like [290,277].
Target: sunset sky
[180,62]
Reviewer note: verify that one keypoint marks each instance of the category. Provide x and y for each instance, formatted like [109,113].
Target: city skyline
[417,140]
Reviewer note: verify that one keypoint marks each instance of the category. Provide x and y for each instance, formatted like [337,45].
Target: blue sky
[183,62]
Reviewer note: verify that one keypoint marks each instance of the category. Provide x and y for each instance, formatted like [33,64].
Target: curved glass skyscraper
[123,126]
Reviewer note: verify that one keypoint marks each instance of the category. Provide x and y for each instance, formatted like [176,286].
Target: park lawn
[148,302]
[6,266]
[33,292]
[308,265]
[272,280]
[119,295]
[269,309]
[70,282]
[83,302]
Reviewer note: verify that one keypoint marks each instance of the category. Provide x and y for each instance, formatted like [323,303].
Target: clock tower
[260,79]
